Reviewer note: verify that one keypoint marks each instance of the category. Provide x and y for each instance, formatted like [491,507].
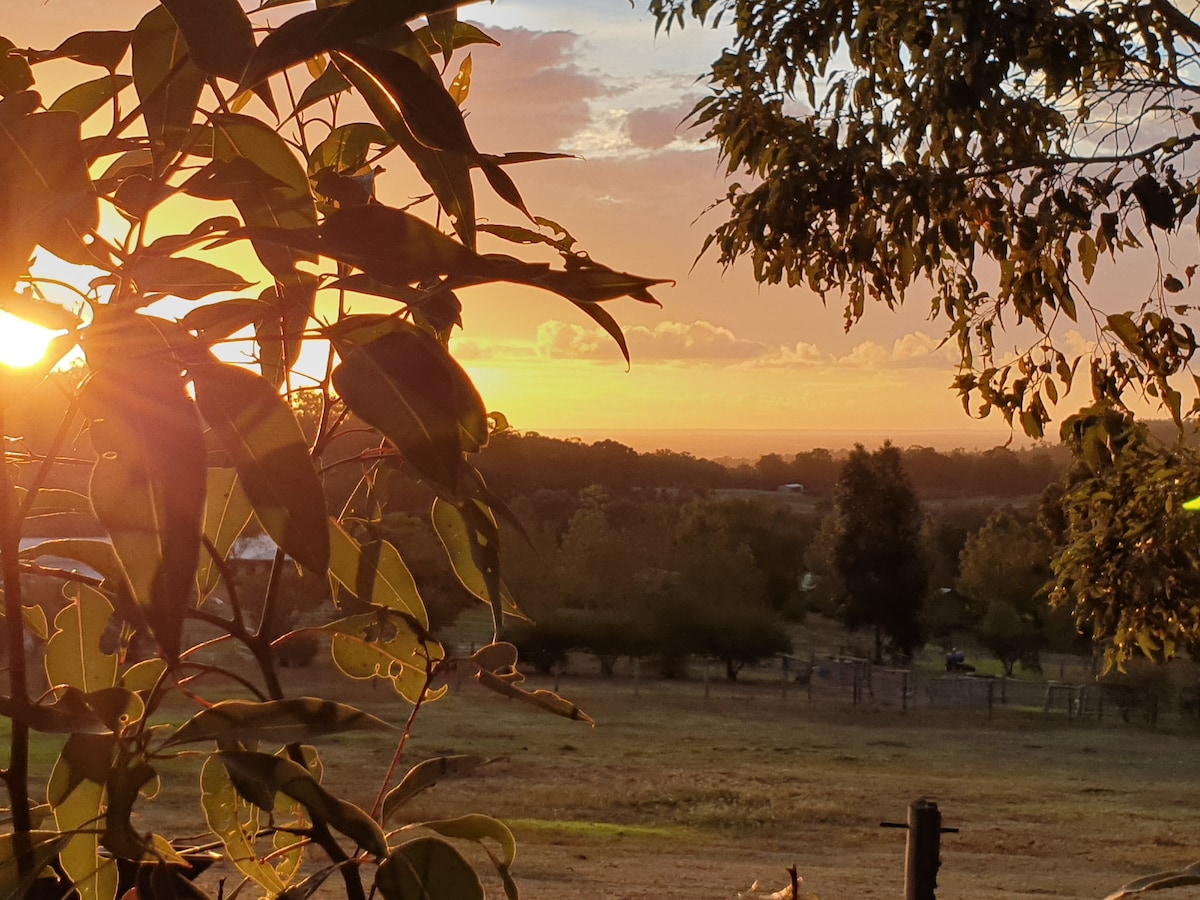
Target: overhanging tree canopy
[995,150]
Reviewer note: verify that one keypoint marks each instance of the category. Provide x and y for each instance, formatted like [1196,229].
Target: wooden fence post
[923,851]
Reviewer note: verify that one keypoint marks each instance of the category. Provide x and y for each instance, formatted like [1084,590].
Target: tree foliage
[877,552]
[1005,568]
[1129,564]
[996,152]
[214,174]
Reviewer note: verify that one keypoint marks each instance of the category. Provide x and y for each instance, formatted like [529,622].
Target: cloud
[665,342]
[531,93]
[705,343]
[657,127]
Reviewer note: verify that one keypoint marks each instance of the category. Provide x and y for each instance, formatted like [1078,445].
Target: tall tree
[877,552]
[994,151]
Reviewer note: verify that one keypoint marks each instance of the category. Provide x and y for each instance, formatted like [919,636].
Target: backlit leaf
[543,699]
[274,721]
[270,775]
[168,83]
[475,827]
[425,775]
[375,574]
[227,511]
[148,483]
[261,434]
[235,827]
[329,83]
[73,654]
[43,847]
[472,541]
[15,74]
[386,645]
[91,96]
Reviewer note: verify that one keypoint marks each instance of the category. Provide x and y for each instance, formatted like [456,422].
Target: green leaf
[148,483]
[288,205]
[1123,327]
[90,97]
[442,27]
[180,276]
[542,699]
[227,511]
[428,868]
[472,541]
[168,83]
[43,847]
[330,83]
[475,827]
[425,775]
[258,777]
[236,831]
[1088,256]
[274,721]
[405,383]
[98,555]
[92,874]
[73,654]
[15,74]
[386,644]
[260,433]
[375,574]
[346,148]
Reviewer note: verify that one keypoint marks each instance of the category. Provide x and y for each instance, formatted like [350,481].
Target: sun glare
[22,343]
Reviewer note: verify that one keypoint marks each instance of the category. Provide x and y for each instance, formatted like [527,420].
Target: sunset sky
[592,79]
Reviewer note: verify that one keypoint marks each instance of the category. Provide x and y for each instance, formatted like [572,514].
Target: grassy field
[675,796]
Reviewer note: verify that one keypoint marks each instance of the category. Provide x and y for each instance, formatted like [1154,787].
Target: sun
[22,343]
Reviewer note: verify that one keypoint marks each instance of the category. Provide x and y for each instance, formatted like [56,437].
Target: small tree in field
[877,552]
[227,163]
[1005,570]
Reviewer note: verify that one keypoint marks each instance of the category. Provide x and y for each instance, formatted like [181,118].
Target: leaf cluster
[285,240]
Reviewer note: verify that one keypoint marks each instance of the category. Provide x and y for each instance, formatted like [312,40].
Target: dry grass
[675,796]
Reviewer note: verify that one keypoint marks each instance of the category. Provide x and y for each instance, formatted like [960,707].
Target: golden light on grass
[22,343]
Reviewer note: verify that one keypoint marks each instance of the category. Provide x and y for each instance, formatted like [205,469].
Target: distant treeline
[520,463]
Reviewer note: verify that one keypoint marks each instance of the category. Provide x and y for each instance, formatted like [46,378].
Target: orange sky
[589,77]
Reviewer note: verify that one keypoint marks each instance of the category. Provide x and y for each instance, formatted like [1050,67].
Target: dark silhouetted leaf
[428,868]
[465,34]
[405,384]
[427,107]
[93,48]
[217,321]
[448,174]
[274,721]
[230,179]
[320,30]
[46,196]
[180,276]
[219,38]
[265,442]
[542,699]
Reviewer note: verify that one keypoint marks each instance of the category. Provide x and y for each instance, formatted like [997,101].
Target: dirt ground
[672,795]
